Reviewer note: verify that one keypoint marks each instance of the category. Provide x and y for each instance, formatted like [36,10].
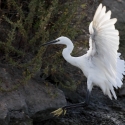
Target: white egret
[101,64]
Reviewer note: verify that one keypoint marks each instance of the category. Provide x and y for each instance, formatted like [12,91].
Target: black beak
[51,42]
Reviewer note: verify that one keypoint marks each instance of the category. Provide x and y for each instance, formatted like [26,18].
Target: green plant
[29,24]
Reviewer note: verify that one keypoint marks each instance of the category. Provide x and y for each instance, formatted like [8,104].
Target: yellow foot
[58,112]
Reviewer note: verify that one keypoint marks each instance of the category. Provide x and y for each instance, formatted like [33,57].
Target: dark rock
[4,117]
[25,102]
[117,7]
[122,91]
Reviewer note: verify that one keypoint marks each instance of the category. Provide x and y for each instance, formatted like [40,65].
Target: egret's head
[60,40]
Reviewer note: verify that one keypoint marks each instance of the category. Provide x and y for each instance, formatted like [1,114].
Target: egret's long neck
[66,54]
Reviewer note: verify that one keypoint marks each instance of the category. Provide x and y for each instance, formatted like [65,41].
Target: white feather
[104,43]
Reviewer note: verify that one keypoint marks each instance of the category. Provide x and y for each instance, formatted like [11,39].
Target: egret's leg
[82,104]
[64,109]
[87,100]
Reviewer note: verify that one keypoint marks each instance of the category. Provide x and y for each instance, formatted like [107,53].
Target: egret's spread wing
[104,42]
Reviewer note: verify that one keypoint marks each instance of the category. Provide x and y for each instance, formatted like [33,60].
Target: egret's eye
[58,40]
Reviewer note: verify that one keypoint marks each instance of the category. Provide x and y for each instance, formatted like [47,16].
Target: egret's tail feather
[120,70]
[113,93]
